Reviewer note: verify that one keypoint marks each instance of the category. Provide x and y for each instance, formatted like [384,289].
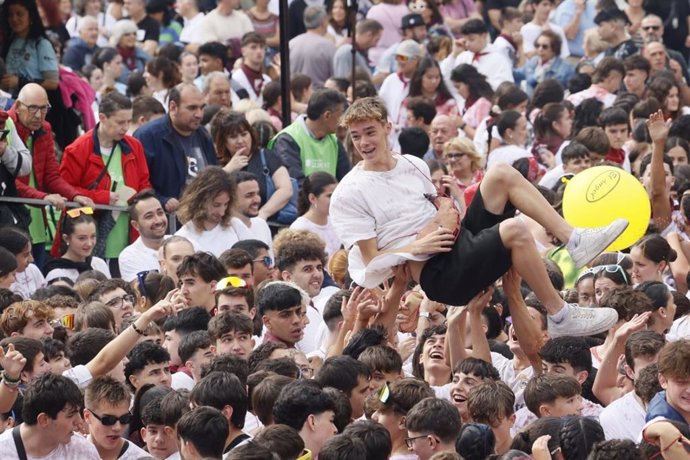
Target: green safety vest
[315,154]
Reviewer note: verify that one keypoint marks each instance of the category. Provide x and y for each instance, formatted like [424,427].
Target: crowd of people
[187,272]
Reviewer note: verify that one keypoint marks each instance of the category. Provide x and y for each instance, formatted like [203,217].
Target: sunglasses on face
[110,420]
[3,134]
[74,213]
[267,261]
[231,281]
[66,321]
[455,155]
[402,58]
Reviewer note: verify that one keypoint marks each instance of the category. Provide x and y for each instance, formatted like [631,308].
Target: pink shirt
[390,17]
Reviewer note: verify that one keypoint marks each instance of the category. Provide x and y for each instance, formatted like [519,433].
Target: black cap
[612,14]
[412,20]
[157,6]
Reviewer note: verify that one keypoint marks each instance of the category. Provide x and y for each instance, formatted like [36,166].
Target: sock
[560,316]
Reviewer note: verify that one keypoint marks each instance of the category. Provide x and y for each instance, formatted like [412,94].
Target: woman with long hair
[338,21]
[666,91]
[427,81]
[110,62]
[512,127]
[49,10]
[313,202]
[651,257]
[29,56]
[547,64]
[507,97]
[189,66]
[238,150]
[28,276]
[464,163]
[552,127]
[74,243]
[161,76]
[477,92]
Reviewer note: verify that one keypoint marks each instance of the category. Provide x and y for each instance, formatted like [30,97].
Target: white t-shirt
[530,32]
[136,258]
[180,380]
[214,241]
[28,281]
[97,264]
[133,451]
[325,232]
[680,329]
[258,230]
[552,176]
[393,92]
[390,206]
[516,381]
[77,448]
[481,137]
[80,375]
[506,154]
[623,418]
[193,29]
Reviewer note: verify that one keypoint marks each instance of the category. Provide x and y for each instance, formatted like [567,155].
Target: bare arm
[455,335]
[680,266]
[661,205]
[440,240]
[604,387]
[281,196]
[528,333]
[391,300]
[13,363]
[480,344]
[573,27]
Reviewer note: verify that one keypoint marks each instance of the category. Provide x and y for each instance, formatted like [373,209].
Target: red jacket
[45,166]
[82,164]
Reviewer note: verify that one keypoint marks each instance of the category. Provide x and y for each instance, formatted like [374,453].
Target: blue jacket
[559,70]
[77,54]
[166,158]
[141,57]
[659,407]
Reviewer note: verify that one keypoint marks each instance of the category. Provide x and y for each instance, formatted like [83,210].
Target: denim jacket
[559,70]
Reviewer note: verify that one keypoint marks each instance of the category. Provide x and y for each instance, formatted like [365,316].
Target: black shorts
[477,259]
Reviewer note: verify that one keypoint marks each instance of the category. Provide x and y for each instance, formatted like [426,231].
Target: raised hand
[636,323]
[480,301]
[12,361]
[658,127]
[511,284]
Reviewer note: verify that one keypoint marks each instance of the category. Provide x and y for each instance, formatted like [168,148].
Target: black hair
[282,366]
[343,447]
[476,441]
[476,82]
[657,292]
[227,363]
[276,297]
[251,246]
[190,343]
[68,224]
[143,354]
[220,389]
[578,435]
[506,120]
[202,264]
[680,127]
[342,372]
[569,350]
[343,408]
[376,438]
[135,83]
[36,29]
[363,339]
[655,248]
[478,368]
[549,90]
[414,141]
[422,107]
[613,116]
[579,82]
[549,114]
[85,345]
[206,428]
[314,183]
[262,353]
[324,100]
[673,142]
[474,26]
[104,56]
[52,348]
[435,416]
[188,320]
[216,50]
[573,151]
[13,239]
[50,394]
[647,160]
[443,94]
[587,114]
[298,401]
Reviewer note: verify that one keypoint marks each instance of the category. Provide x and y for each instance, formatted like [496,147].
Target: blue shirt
[565,14]
[31,58]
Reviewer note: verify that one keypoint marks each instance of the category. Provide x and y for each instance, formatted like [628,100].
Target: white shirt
[369,204]
[221,28]
[135,258]
[506,154]
[181,380]
[258,230]
[493,65]
[133,451]
[214,241]
[680,329]
[28,281]
[325,232]
[552,176]
[97,264]
[530,32]
[241,78]
[393,91]
[623,418]
[516,381]
[80,375]
[193,29]
[77,448]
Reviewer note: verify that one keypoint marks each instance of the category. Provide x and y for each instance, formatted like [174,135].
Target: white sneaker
[587,243]
[583,321]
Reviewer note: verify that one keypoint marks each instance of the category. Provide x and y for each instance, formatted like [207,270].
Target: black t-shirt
[151,28]
[196,161]
[673,13]
[273,162]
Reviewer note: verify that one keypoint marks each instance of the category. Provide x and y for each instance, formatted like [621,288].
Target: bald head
[442,130]
[32,98]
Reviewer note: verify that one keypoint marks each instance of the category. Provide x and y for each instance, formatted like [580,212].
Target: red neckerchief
[476,56]
[615,155]
[402,79]
[128,57]
[510,40]
[469,102]
[256,78]
[268,337]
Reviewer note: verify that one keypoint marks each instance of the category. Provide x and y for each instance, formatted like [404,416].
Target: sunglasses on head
[231,281]
[66,321]
[110,420]
[608,269]
[141,277]
[76,212]
[402,58]
[3,134]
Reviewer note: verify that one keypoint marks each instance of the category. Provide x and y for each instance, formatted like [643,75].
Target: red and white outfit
[491,63]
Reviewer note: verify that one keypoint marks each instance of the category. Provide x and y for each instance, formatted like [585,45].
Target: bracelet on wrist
[9,381]
[138,331]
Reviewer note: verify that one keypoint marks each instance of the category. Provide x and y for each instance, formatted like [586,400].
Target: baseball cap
[412,20]
[612,14]
[409,48]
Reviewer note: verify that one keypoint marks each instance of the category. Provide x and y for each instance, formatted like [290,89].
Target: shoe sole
[583,334]
[604,246]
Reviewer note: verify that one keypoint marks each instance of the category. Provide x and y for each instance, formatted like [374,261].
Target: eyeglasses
[74,213]
[542,46]
[608,269]
[66,321]
[267,261]
[455,155]
[33,109]
[141,277]
[119,302]
[409,442]
[402,58]
[231,281]
[651,27]
[110,420]
[3,134]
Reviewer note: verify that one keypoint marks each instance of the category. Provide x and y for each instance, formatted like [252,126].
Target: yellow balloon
[597,196]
